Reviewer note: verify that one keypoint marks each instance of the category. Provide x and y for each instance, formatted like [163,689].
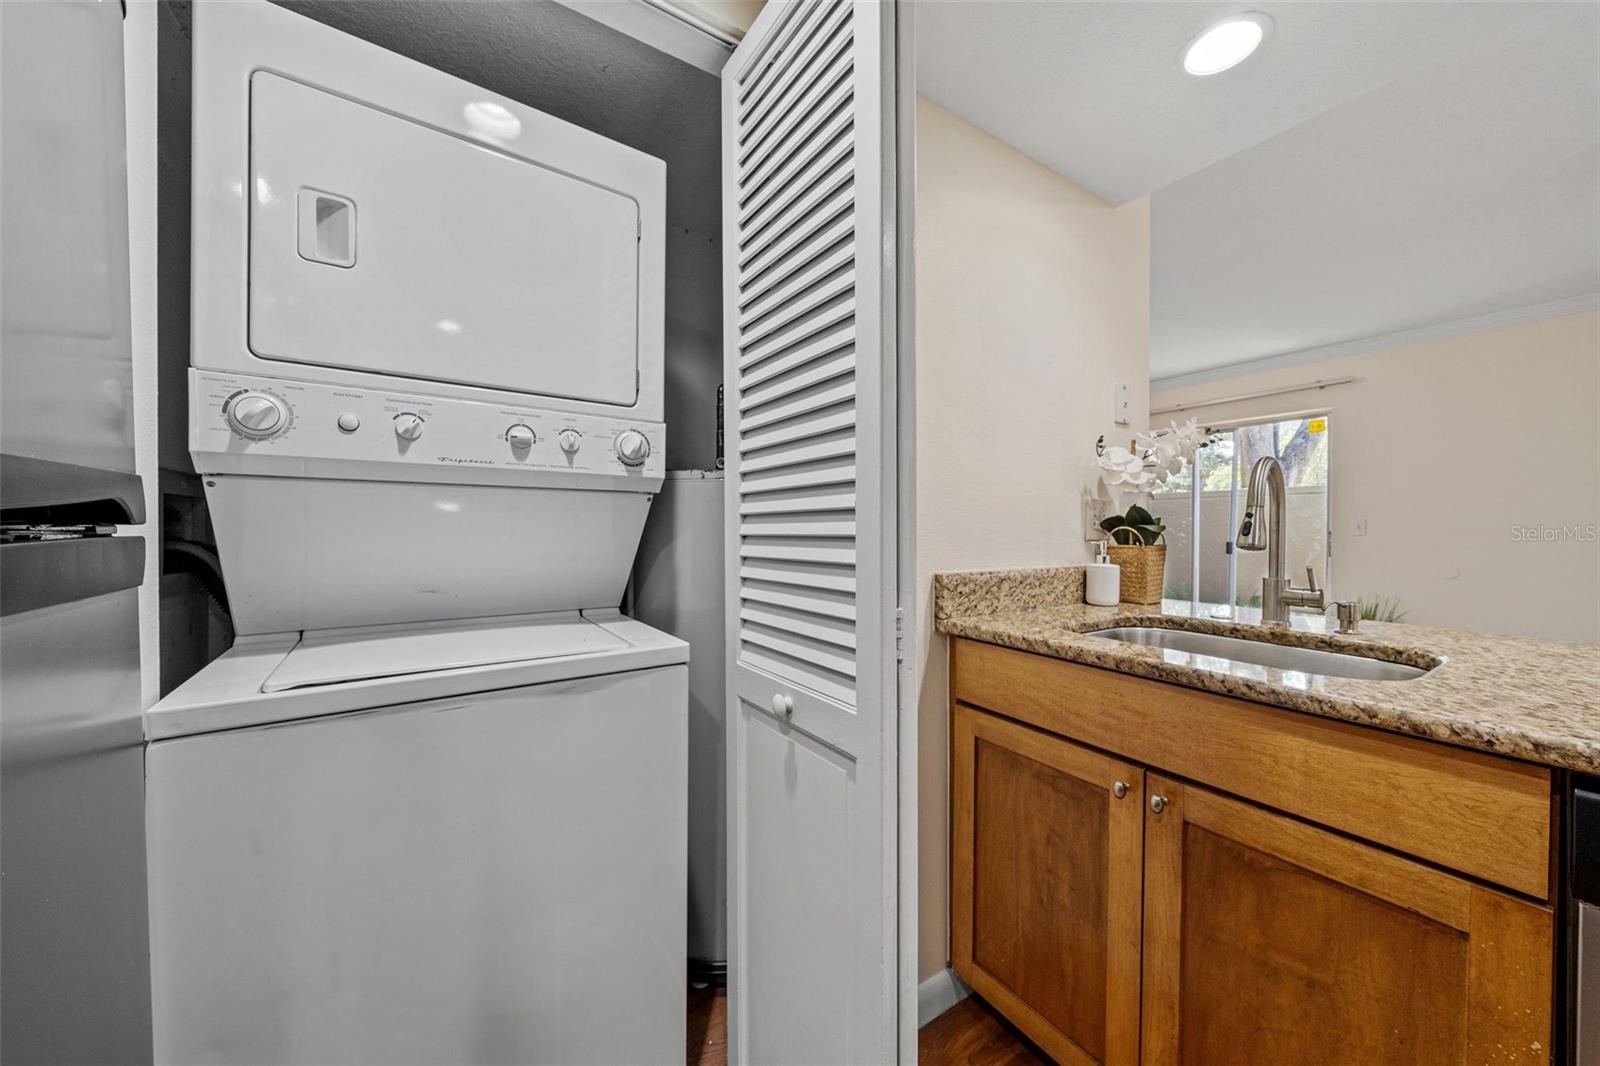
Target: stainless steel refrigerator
[74,955]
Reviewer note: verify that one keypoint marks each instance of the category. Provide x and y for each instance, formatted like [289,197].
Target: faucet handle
[1311,578]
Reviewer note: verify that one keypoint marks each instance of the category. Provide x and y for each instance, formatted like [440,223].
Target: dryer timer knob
[256,415]
[633,447]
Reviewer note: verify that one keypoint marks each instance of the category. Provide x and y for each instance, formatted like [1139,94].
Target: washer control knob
[569,439]
[633,447]
[256,415]
[521,437]
[407,426]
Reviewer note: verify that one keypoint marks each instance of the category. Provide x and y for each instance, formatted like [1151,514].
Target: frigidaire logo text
[473,462]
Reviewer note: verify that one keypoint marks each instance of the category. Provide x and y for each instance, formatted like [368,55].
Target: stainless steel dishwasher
[1586,906]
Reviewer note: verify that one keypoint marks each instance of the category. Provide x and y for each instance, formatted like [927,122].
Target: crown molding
[664,27]
[1400,338]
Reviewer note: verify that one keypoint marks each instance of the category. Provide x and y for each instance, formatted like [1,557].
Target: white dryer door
[381,244]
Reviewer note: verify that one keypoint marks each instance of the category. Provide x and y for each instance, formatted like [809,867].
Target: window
[1202,510]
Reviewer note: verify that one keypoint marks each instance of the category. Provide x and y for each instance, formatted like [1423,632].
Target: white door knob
[633,447]
[407,426]
[569,439]
[782,706]
[256,415]
[521,437]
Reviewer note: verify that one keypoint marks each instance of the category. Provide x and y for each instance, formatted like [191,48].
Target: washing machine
[431,805]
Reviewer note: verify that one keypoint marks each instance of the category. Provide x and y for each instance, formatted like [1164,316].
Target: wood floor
[708,1026]
[969,1034]
[972,1034]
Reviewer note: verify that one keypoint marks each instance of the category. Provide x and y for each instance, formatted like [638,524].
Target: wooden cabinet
[1477,814]
[1119,914]
[1270,941]
[1047,863]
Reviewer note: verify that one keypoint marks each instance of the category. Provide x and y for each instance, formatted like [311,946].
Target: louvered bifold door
[809,369]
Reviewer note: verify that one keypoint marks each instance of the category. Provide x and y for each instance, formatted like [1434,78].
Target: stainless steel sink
[1210,651]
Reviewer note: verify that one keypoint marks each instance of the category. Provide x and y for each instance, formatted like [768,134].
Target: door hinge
[899,634]
[638,228]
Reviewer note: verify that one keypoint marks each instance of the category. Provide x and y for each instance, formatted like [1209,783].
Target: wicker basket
[1144,570]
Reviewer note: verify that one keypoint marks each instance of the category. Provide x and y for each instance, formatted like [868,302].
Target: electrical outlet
[1359,529]
[1095,510]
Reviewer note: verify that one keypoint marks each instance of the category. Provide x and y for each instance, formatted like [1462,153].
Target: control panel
[244,424]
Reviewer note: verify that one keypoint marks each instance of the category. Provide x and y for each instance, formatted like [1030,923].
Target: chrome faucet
[1265,525]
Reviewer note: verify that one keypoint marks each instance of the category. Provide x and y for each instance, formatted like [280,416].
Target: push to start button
[349,422]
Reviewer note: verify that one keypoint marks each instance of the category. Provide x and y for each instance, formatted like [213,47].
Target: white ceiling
[1376,167]
[1097,91]
[1456,193]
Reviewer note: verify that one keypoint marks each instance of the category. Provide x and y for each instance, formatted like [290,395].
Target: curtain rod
[1321,383]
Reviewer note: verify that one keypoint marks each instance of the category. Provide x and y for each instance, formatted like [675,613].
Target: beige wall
[1447,449]
[1032,300]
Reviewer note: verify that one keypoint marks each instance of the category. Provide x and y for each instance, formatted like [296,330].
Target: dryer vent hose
[187,557]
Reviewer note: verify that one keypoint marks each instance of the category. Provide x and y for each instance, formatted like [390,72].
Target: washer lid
[332,656]
[232,692]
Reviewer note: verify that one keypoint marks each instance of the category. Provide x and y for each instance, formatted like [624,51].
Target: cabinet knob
[782,706]
[1119,789]
[1158,803]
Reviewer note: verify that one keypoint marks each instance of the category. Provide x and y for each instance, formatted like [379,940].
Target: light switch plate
[1121,404]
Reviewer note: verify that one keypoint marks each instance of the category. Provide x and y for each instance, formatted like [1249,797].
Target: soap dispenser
[1102,579]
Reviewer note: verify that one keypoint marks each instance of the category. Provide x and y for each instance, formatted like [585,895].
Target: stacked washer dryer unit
[430,807]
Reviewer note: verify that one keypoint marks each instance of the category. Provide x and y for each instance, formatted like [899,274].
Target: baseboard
[938,994]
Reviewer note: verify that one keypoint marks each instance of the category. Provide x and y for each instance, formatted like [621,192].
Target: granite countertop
[1531,699]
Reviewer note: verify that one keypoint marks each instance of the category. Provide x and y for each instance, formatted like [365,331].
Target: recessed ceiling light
[1226,43]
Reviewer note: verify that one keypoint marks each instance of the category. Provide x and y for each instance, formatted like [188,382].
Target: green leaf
[1138,516]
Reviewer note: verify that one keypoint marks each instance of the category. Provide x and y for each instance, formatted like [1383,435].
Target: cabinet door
[1045,885]
[1270,941]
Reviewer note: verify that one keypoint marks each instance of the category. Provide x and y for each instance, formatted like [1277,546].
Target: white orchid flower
[1156,457]
[1192,434]
[1168,454]
[1120,462]
[1141,480]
